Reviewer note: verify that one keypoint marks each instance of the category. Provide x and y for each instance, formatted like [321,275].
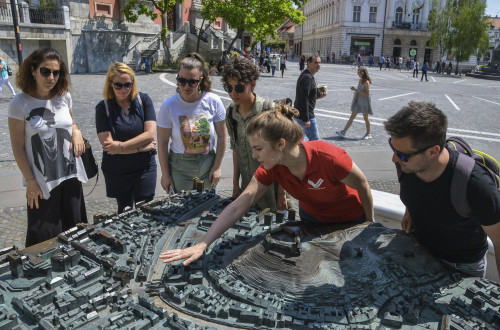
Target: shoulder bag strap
[459,181]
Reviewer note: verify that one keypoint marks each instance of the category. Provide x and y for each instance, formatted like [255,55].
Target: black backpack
[268,105]
[467,157]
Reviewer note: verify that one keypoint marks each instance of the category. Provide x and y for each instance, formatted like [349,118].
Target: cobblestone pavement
[472,107]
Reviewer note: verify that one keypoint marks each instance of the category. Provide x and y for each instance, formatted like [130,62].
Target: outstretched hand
[191,254]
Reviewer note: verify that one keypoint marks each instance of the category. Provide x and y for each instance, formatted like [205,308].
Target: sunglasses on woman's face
[240,88]
[45,72]
[119,86]
[191,82]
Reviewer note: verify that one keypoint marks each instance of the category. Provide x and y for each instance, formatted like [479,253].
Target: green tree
[259,17]
[134,8]
[439,23]
[462,26]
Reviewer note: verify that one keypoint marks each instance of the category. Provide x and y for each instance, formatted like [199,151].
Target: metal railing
[407,26]
[36,15]
[46,15]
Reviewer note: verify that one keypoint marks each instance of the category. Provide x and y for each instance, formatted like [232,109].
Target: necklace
[50,151]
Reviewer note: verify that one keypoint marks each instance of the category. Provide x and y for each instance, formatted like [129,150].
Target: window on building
[337,15]
[373,15]
[397,42]
[416,16]
[356,14]
[399,15]
[413,42]
[103,9]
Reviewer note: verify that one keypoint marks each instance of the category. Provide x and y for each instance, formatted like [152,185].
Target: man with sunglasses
[425,169]
[305,98]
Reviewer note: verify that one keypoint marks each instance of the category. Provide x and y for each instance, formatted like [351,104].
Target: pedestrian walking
[47,146]
[4,77]
[437,68]
[381,62]
[126,126]
[443,67]
[305,98]
[282,65]
[191,120]
[425,68]
[333,57]
[274,63]
[388,63]
[370,61]
[361,103]
[415,69]
[302,62]
[329,186]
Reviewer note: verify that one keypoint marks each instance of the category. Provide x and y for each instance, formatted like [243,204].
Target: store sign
[362,43]
[413,52]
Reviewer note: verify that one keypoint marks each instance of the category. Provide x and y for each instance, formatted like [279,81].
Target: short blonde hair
[114,70]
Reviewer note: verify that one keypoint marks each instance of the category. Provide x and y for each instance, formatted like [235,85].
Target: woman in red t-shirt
[329,186]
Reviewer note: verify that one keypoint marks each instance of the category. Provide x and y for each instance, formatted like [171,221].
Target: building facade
[89,34]
[367,27]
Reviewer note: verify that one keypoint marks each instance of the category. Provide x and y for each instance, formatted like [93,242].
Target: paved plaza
[472,106]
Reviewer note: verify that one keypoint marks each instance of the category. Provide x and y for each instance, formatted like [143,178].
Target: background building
[349,27]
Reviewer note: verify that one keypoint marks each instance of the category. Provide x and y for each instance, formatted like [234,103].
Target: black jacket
[305,96]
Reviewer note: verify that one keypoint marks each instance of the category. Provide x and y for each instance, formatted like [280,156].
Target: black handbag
[9,71]
[89,162]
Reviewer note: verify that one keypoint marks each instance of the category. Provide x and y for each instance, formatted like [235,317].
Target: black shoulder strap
[110,121]
[234,124]
[459,181]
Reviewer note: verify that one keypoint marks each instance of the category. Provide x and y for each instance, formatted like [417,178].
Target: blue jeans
[273,69]
[306,217]
[312,131]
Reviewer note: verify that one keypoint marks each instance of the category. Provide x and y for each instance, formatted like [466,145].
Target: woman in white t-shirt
[47,146]
[191,120]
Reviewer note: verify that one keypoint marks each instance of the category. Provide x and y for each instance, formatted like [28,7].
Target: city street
[472,106]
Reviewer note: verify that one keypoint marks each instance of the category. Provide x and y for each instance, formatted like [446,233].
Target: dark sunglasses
[191,82]
[406,157]
[238,88]
[119,86]
[45,72]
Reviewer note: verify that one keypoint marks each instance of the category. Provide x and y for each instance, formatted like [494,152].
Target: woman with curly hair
[47,145]
[239,78]
[329,186]
[190,120]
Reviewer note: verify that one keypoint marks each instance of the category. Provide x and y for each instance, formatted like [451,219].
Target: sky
[493,8]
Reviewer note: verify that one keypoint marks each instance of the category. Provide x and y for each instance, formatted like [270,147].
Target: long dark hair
[24,77]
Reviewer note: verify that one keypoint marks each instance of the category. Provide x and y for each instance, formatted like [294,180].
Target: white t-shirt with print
[192,124]
[47,137]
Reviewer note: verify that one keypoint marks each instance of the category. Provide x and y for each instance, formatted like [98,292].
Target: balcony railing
[46,15]
[37,15]
[407,26]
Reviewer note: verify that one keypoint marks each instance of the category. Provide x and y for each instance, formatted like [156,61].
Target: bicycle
[356,64]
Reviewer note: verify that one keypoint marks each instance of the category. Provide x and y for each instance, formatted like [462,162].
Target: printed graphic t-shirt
[192,124]
[321,194]
[47,137]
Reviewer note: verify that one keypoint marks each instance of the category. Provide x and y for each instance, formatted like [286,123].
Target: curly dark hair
[24,76]
[242,69]
[196,61]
